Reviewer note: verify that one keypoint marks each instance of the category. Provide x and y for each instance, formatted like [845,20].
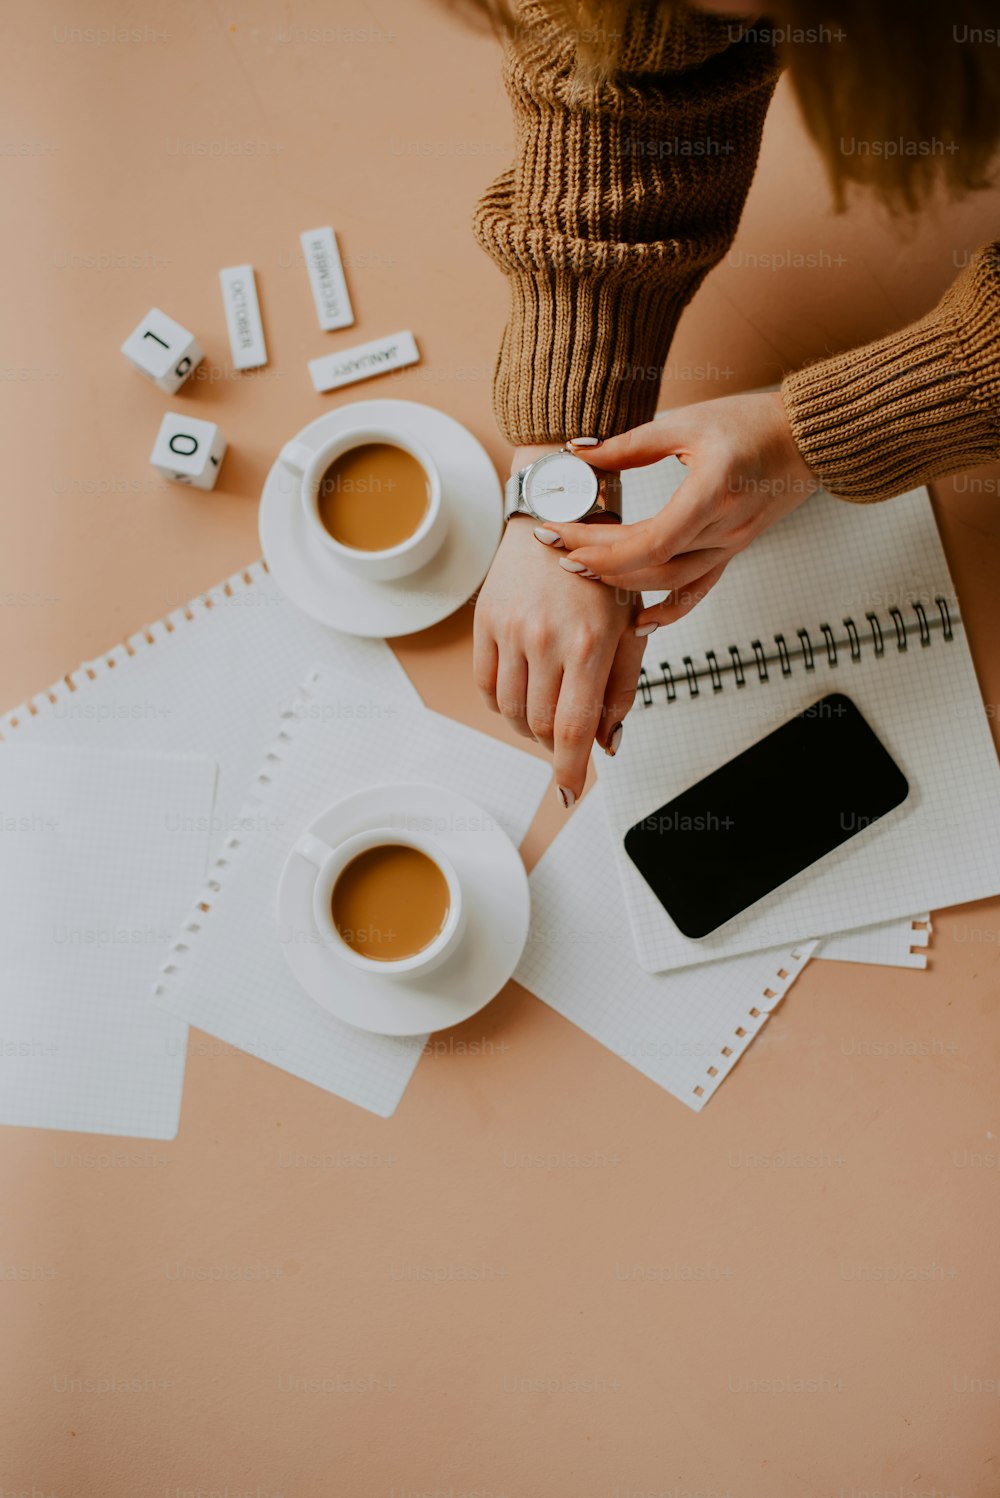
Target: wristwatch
[561,487]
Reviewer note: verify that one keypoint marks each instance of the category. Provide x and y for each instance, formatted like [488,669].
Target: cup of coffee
[372,497]
[389,902]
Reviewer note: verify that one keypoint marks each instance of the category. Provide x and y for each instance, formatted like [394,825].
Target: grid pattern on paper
[98,857]
[890,944]
[684,1030]
[212,677]
[828,559]
[227,975]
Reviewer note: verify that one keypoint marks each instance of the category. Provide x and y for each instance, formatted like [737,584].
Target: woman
[638,127]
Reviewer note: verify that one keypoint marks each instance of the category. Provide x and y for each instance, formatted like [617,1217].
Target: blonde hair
[897,106]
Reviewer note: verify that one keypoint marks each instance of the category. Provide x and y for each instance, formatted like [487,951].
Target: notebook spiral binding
[851,644]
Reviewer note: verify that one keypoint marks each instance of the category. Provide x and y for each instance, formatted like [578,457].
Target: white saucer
[494,886]
[321,586]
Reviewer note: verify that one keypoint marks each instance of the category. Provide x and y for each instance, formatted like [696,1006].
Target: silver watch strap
[512,495]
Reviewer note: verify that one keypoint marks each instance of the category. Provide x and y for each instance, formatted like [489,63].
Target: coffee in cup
[372,498]
[388,901]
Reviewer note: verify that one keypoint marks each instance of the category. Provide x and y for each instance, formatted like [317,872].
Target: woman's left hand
[744,473]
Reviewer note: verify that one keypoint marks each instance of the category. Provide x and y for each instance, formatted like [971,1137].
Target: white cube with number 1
[188,451]
[162,350]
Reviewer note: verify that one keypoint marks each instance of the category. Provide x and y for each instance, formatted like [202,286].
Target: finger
[639,445]
[603,539]
[680,602]
[544,681]
[642,543]
[675,574]
[574,533]
[485,661]
[578,713]
[512,690]
[619,694]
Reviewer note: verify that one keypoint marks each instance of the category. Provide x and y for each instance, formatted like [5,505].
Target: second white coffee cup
[330,862]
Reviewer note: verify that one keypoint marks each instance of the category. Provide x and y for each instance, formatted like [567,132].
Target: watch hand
[555,489]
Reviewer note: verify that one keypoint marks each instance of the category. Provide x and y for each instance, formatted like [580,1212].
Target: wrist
[522,456]
[793,463]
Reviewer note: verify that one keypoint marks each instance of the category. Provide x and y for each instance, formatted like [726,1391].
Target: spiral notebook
[835,597]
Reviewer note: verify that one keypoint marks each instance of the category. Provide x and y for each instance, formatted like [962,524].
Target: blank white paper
[228,975]
[99,853]
[684,1030]
[211,678]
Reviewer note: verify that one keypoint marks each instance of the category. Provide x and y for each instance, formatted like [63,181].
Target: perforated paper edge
[88,671]
[750,1027]
[914,940]
[921,931]
[211,886]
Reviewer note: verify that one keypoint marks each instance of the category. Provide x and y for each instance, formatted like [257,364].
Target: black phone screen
[761,818]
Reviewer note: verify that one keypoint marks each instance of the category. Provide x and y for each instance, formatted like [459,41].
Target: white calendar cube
[188,451]
[162,350]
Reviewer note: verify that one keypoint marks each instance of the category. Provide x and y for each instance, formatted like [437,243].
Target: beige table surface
[793,1294]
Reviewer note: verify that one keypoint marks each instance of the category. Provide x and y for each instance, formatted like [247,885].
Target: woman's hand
[560,662]
[745,472]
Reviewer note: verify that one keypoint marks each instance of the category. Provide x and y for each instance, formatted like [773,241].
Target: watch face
[560,487]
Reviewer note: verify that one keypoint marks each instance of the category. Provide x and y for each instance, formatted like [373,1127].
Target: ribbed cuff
[589,326]
[878,420]
[618,204]
[595,352]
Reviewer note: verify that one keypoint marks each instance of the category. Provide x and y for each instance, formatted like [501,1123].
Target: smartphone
[789,800]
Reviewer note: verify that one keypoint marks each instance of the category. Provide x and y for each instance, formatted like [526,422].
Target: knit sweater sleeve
[925,401]
[614,211]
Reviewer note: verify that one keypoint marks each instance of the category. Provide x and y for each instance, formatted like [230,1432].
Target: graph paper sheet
[210,678]
[684,1030]
[228,974]
[99,852]
[835,564]
[891,944]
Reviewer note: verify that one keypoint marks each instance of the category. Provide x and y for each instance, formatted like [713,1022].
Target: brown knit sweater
[614,212]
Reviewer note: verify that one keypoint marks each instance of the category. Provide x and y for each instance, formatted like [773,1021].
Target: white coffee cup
[310,464]
[330,863]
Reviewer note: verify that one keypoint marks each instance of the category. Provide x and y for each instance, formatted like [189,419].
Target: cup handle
[313,849]
[296,456]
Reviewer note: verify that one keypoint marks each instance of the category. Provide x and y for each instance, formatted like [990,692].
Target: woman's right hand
[558,660]
[744,473]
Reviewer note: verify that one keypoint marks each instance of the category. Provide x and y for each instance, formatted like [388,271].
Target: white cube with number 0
[188,451]
[162,350]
